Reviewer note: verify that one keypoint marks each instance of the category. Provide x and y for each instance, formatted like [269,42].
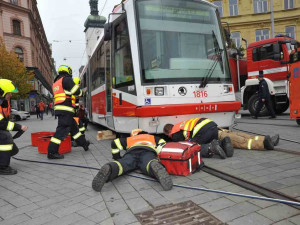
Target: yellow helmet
[7,86]
[135,132]
[65,68]
[76,80]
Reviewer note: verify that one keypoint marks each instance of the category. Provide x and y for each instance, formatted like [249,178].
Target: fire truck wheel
[298,121]
[252,103]
[281,108]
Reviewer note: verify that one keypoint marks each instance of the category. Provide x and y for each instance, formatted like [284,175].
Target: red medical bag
[181,158]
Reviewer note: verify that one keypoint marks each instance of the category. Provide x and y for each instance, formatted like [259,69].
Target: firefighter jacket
[188,129]
[263,90]
[5,124]
[63,89]
[138,142]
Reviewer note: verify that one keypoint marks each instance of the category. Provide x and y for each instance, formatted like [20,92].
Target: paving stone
[41,220]
[251,219]
[293,191]
[116,206]
[99,206]
[69,210]
[273,185]
[87,212]
[18,211]
[124,218]
[69,219]
[236,211]
[84,222]
[108,221]
[284,222]
[278,212]
[217,204]
[15,220]
[295,219]
[137,205]
[100,216]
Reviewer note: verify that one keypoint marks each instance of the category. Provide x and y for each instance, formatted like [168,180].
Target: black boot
[101,178]
[275,139]
[7,170]
[268,144]
[86,146]
[217,150]
[74,144]
[160,173]
[227,146]
[55,156]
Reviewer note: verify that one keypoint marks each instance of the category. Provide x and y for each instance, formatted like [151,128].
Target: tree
[13,69]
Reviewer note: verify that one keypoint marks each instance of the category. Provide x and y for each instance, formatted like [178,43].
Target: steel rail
[250,186]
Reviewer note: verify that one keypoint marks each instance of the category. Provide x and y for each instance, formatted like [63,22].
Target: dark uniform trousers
[132,160]
[6,139]
[267,103]
[66,125]
[204,138]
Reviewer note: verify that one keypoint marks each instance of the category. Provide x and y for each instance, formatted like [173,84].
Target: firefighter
[64,108]
[202,131]
[141,153]
[264,98]
[7,146]
[243,140]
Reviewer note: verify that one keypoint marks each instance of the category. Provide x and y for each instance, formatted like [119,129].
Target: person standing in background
[37,110]
[42,109]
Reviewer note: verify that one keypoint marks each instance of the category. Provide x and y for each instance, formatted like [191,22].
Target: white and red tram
[160,62]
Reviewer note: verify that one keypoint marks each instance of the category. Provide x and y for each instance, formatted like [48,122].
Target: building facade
[251,19]
[22,30]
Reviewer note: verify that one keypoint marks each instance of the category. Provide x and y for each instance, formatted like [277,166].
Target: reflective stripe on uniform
[64,108]
[118,144]
[77,135]
[10,126]
[161,141]
[148,165]
[256,138]
[68,92]
[6,147]
[1,117]
[120,168]
[75,88]
[115,151]
[250,143]
[82,129]
[200,125]
[55,140]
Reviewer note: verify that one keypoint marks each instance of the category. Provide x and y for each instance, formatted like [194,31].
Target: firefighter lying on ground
[243,140]
[64,107]
[202,131]
[7,146]
[141,153]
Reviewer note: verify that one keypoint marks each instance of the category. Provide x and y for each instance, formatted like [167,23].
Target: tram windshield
[180,41]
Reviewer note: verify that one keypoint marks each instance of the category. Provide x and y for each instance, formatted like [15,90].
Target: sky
[63,22]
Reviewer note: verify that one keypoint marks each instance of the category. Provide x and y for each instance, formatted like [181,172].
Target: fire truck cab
[269,57]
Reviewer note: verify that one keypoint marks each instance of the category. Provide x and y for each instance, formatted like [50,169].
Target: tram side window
[98,68]
[265,52]
[123,59]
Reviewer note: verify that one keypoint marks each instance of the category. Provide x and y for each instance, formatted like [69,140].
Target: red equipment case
[35,136]
[181,158]
[294,87]
[64,147]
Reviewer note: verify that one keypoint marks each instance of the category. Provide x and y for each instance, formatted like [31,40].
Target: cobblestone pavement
[52,194]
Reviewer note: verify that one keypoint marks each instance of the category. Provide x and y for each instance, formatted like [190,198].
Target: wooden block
[105,134]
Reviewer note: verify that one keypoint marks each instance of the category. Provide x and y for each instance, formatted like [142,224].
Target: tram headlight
[159,91]
[227,88]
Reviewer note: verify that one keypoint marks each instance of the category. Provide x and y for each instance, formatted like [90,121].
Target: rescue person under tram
[141,153]
[64,107]
[202,131]
[7,146]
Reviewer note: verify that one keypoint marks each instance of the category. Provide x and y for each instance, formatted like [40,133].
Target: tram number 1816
[200,94]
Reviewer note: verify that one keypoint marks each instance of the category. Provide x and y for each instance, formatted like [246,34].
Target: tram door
[108,88]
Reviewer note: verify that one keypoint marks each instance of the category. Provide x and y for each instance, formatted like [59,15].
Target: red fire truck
[294,86]
[271,58]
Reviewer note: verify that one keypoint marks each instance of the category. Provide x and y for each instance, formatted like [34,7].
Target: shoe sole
[162,176]
[228,147]
[101,178]
[50,157]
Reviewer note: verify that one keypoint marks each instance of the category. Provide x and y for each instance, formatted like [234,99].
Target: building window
[16,27]
[20,53]
[219,4]
[15,2]
[288,4]
[261,34]
[290,31]
[260,6]
[236,38]
[233,8]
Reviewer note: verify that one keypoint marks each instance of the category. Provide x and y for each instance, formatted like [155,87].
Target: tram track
[250,186]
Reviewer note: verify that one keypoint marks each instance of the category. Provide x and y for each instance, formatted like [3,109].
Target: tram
[160,62]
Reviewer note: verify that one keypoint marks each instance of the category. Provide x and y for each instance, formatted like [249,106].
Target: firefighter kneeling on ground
[243,140]
[7,146]
[64,108]
[141,153]
[202,131]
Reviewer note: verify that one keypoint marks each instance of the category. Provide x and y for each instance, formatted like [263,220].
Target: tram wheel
[252,103]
